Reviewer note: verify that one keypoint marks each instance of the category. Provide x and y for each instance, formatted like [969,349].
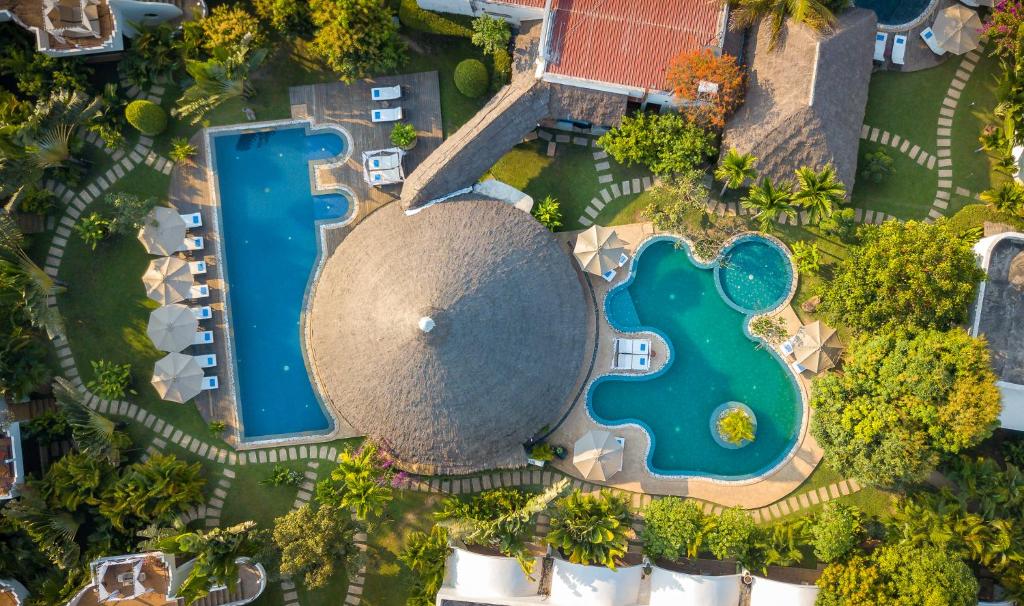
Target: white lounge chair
[386,177]
[622,361]
[197,268]
[198,291]
[386,93]
[881,39]
[388,114]
[797,367]
[787,346]
[899,49]
[929,38]
[192,220]
[204,337]
[609,275]
[202,313]
[210,382]
[623,258]
[641,363]
[206,360]
[641,346]
[623,346]
[194,243]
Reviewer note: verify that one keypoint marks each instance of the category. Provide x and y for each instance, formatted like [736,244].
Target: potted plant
[733,425]
[541,453]
[403,135]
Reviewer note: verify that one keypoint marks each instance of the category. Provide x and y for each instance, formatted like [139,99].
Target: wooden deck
[349,105]
[333,103]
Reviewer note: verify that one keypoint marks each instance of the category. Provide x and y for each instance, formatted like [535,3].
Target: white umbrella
[163,232]
[177,377]
[167,280]
[958,29]
[599,249]
[598,455]
[172,327]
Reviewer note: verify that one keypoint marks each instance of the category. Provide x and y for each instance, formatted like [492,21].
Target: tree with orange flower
[685,75]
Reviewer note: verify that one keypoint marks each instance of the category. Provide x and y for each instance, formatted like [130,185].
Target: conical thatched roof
[496,364]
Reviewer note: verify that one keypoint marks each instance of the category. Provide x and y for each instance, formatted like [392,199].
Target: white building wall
[474,8]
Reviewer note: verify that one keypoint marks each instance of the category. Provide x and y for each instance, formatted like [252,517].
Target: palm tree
[1007,197]
[359,475]
[768,200]
[49,131]
[223,77]
[812,13]
[591,529]
[92,433]
[734,170]
[820,192]
[51,530]
[35,285]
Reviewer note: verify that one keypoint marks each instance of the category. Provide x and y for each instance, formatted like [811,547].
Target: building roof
[528,3]
[805,100]
[629,42]
[507,344]
[12,464]
[32,15]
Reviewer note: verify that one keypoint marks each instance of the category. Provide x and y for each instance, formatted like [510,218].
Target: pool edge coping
[801,435]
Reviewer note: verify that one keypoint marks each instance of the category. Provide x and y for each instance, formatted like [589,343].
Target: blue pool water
[895,12]
[268,223]
[714,361]
[755,274]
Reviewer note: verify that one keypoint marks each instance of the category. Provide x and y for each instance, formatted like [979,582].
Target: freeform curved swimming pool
[895,12]
[712,360]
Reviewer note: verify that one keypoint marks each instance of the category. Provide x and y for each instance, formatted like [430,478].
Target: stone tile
[946,173]
[600,154]
[914,151]
[960,191]
[562,138]
[942,194]
[596,203]
[606,196]
[885,138]
[948,102]
[947,112]
[953,93]
[602,166]
[262,456]
[904,146]
[626,188]
[615,190]
[864,131]
[303,454]
[606,178]
[895,141]
[944,153]
[945,121]
[833,491]
[585,222]
[647,183]
[945,162]
[485,481]
[581,141]
[823,495]
[635,186]
[945,184]
[177,436]
[943,142]
[874,134]
[940,204]
[923,158]
[931,162]
[205,448]
[591,211]
[543,134]
[957,84]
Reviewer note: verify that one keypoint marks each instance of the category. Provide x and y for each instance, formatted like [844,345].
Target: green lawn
[973,169]
[907,193]
[908,103]
[388,581]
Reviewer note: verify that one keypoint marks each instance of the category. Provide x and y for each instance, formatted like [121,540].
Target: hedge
[502,69]
[147,117]
[471,78]
[414,17]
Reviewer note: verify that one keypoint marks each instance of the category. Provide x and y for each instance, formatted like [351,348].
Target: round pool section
[895,12]
[713,360]
[755,274]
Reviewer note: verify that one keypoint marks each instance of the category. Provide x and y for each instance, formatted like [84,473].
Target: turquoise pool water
[713,361]
[269,238]
[895,12]
[755,275]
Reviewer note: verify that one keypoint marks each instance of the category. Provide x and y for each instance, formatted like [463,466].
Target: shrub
[282,476]
[216,428]
[110,381]
[835,531]
[542,452]
[772,329]
[285,16]
[735,426]
[356,37]
[35,199]
[471,78]
[548,211]
[312,541]
[93,229]
[1007,197]
[228,26]
[502,69]
[129,212]
[677,204]
[425,555]
[147,117]
[730,534]
[807,257]
[181,149]
[689,69]
[491,34]
[840,224]
[591,529]
[899,575]
[877,166]
[414,17]
[930,287]
[665,143]
[673,528]
[403,135]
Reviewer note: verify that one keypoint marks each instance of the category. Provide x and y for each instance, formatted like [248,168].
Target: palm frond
[93,433]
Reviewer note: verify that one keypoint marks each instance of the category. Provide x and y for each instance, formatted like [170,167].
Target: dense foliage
[665,143]
[356,38]
[590,529]
[491,34]
[735,426]
[690,69]
[147,117]
[902,401]
[362,482]
[227,26]
[110,380]
[313,541]
[673,528]
[548,212]
[426,554]
[835,531]
[285,16]
[816,14]
[471,78]
[904,274]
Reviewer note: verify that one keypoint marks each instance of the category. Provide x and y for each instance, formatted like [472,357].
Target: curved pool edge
[801,435]
[334,427]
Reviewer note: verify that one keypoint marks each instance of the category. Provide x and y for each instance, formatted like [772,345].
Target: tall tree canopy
[356,37]
[904,274]
[665,143]
[689,70]
[902,401]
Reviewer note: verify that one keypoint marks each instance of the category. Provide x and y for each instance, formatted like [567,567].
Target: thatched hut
[450,336]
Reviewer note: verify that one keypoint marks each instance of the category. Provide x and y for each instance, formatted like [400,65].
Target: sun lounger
[977,3]
[899,49]
[194,243]
[199,291]
[389,114]
[787,345]
[623,346]
[386,177]
[206,360]
[203,338]
[609,275]
[881,39]
[192,220]
[386,93]
[383,166]
[929,38]
[197,268]
[641,346]
[797,368]
[202,313]
[623,258]
[210,382]
[622,361]
[641,363]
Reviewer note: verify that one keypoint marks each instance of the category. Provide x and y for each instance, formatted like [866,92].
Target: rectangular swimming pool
[268,223]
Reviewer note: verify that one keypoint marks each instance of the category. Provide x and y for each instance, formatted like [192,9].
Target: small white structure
[11,459]
[766,592]
[513,11]
[476,577]
[499,190]
[680,589]
[12,592]
[383,166]
[579,585]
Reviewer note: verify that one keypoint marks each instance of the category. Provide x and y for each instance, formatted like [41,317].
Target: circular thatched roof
[496,362]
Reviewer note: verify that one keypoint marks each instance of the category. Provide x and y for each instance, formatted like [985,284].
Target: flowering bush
[1005,27]
[685,75]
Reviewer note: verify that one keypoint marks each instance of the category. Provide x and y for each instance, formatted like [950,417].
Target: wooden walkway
[349,106]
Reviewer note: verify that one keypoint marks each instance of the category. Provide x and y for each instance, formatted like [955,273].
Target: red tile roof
[628,42]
